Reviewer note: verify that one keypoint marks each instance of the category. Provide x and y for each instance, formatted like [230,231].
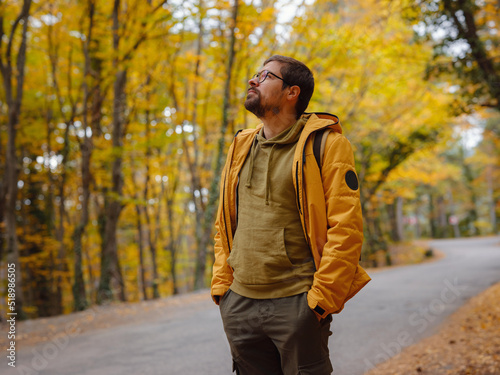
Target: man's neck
[275,124]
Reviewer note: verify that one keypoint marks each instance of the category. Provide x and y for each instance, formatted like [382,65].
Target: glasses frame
[266,73]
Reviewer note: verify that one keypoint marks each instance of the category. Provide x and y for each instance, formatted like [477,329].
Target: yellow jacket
[329,207]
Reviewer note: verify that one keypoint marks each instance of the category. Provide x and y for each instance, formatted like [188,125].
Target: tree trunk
[462,15]
[492,203]
[442,217]
[112,285]
[61,266]
[201,258]
[60,263]
[194,167]
[432,216]
[80,301]
[140,241]
[12,163]
[152,239]
[454,221]
[472,214]
[79,294]
[152,249]
[395,212]
[391,212]
[3,200]
[399,218]
[379,235]
[54,300]
[374,241]
[172,248]
[170,195]
[418,230]
[370,242]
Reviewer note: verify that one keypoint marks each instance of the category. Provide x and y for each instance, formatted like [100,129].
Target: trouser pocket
[321,367]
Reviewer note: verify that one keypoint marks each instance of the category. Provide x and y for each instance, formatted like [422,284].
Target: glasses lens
[261,76]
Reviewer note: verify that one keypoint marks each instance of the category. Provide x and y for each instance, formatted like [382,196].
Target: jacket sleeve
[340,255]
[222,276]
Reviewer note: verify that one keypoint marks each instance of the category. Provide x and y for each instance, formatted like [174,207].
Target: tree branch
[21,56]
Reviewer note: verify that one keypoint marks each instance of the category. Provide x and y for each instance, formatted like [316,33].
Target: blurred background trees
[115,117]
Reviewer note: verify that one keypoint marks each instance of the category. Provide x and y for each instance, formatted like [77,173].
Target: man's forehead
[271,66]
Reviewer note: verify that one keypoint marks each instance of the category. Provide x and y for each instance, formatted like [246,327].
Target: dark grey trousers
[280,336]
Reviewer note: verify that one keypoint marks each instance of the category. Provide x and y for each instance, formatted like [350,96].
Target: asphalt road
[397,308]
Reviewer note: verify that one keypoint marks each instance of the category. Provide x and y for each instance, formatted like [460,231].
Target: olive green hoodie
[270,256]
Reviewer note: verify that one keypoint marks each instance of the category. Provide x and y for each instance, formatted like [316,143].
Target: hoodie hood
[288,136]
[336,127]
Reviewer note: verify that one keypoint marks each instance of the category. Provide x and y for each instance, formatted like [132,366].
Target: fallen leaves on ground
[468,344]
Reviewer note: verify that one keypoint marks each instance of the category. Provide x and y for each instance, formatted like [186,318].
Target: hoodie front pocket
[259,256]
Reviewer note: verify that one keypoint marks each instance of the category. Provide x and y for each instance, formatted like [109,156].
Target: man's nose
[253,82]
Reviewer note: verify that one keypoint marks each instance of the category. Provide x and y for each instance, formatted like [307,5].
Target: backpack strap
[319,149]
[319,145]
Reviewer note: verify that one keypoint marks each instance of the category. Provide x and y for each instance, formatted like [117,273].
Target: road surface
[397,308]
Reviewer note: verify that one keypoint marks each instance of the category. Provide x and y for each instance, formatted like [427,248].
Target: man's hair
[296,73]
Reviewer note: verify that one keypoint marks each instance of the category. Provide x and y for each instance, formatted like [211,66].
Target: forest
[115,117]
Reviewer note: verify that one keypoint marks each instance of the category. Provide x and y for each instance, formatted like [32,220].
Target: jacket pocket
[259,256]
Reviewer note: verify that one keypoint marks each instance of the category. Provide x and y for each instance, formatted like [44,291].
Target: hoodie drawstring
[253,154]
[286,138]
[268,178]
[252,157]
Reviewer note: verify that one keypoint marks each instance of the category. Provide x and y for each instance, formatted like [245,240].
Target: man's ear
[293,93]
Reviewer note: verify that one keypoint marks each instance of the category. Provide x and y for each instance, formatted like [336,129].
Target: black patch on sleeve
[351,180]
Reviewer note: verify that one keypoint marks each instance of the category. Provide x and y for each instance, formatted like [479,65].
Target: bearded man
[289,229]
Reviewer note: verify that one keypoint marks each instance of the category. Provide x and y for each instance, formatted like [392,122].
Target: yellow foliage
[368,71]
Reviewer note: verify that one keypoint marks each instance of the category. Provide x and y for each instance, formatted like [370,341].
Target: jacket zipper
[224,191]
[224,212]
[237,201]
[297,182]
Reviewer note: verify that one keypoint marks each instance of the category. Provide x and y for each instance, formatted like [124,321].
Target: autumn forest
[115,117]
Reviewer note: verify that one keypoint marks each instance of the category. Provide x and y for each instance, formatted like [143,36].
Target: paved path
[399,307]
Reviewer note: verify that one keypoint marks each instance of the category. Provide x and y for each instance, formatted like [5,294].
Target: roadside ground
[467,344]
[35,331]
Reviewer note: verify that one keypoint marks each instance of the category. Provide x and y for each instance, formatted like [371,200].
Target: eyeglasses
[261,76]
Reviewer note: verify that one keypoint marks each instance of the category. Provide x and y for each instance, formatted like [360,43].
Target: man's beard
[255,106]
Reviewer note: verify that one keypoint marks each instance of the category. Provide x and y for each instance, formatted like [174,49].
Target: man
[289,235]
